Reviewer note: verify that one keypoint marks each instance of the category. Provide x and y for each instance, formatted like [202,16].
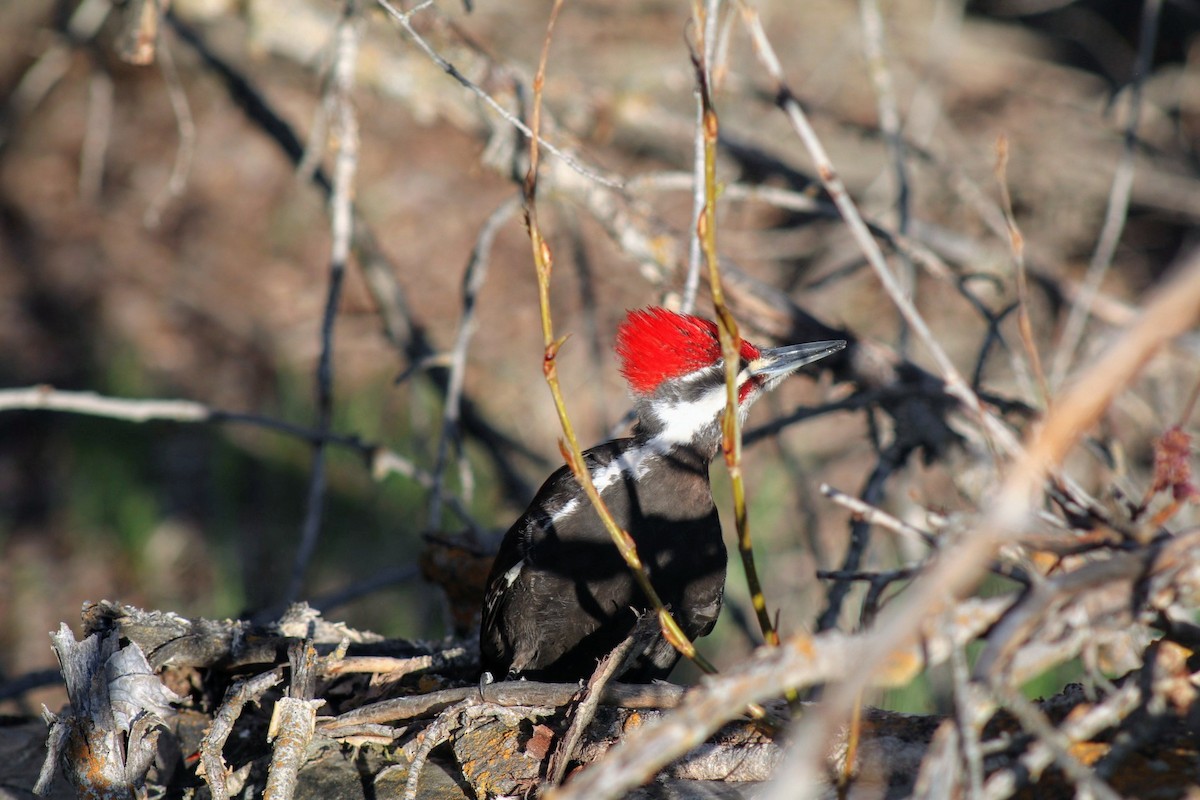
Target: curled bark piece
[107,739]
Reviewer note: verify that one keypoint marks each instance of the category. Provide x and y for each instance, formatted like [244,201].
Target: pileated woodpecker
[559,596]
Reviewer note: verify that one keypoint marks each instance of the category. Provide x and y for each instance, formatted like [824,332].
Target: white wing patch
[630,465]
[514,571]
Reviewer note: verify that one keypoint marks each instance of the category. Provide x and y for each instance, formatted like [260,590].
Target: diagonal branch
[404,18]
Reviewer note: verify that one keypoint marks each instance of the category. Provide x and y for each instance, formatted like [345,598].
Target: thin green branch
[569,445]
[731,345]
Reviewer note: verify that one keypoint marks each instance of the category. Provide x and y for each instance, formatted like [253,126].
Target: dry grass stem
[1017,245]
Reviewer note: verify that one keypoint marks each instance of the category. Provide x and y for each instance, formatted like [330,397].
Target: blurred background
[157,240]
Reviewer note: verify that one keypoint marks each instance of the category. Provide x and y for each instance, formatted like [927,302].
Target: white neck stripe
[681,421]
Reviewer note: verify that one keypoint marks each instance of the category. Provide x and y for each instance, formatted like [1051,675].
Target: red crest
[655,344]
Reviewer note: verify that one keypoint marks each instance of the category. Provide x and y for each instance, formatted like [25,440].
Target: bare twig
[293,722]
[873,515]
[695,257]
[792,200]
[1017,246]
[138,39]
[877,516]
[345,128]
[185,125]
[972,711]
[940,774]
[507,693]
[473,278]
[705,19]
[1118,199]
[97,133]
[446,723]
[92,404]
[401,328]
[404,18]
[212,764]
[869,576]
[394,667]
[889,123]
[40,78]
[584,711]
[381,461]
[889,461]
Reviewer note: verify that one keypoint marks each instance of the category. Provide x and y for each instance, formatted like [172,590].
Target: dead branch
[212,765]
[292,723]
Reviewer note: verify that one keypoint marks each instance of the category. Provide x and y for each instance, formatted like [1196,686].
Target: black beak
[775,362]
